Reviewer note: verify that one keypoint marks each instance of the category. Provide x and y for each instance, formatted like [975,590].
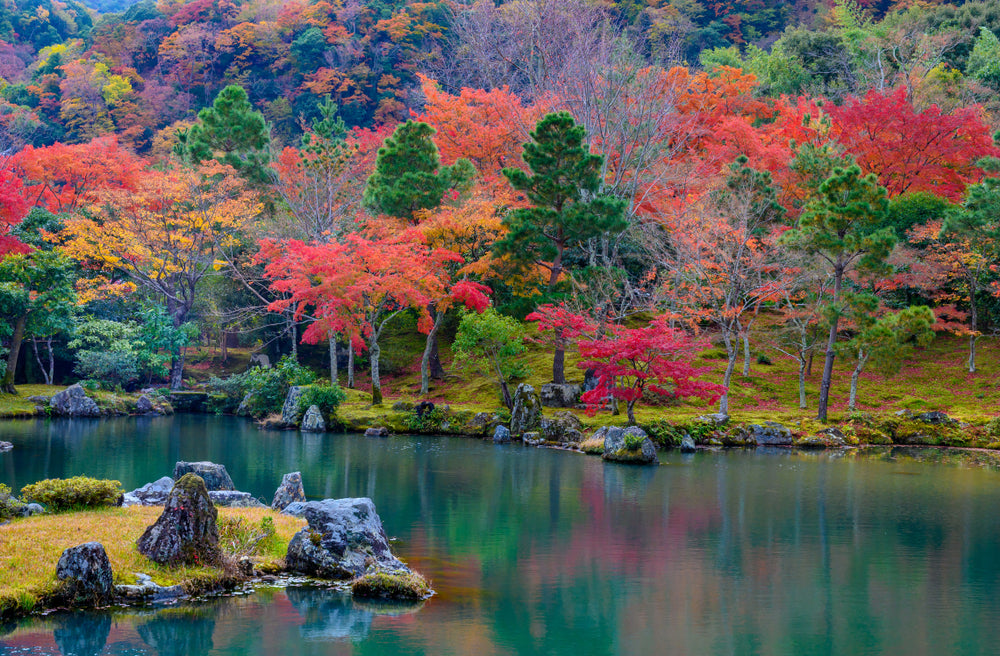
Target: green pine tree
[232,132]
[408,174]
[568,208]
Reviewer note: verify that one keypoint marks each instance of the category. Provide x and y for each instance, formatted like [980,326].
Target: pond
[536,551]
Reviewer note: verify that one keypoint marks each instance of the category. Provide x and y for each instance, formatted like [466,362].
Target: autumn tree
[629,362]
[167,233]
[566,206]
[34,288]
[840,227]
[231,132]
[13,208]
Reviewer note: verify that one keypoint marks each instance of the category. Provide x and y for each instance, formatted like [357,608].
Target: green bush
[326,397]
[429,422]
[993,427]
[764,360]
[9,506]
[73,493]
[633,441]
[112,368]
[267,388]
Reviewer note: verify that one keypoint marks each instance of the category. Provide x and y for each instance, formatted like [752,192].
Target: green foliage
[232,132]
[984,60]
[428,422]
[326,397]
[264,389]
[633,441]
[564,189]
[113,369]
[914,209]
[239,537]
[492,341]
[9,506]
[58,494]
[408,174]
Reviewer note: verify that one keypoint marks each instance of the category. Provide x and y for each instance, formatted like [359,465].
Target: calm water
[535,551]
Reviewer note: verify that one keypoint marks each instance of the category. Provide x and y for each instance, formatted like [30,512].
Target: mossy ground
[385,585]
[31,547]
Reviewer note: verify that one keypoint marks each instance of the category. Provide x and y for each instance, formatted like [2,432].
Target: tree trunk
[373,352]
[334,374]
[7,383]
[731,353]
[852,400]
[350,365]
[972,353]
[38,359]
[559,365]
[974,325]
[430,349]
[52,362]
[831,341]
[177,370]
[505,390]
[746,354]
[294,334]
[809,367]
[225,346]
[802,383]
[437,369]
[630,409]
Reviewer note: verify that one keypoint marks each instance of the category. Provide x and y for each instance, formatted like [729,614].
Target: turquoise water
[536,551]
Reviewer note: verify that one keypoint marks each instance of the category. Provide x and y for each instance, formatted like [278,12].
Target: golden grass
[31,547]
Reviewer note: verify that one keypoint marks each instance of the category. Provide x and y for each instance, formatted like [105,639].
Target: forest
[665,195]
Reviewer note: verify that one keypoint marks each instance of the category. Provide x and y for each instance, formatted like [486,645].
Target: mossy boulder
[85,572]
[630,445]
[186,531]
[404,586]
[526,414]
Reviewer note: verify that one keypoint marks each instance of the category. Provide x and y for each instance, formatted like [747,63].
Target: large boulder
[344,540]
[562,427]
[234,499]
[150,494]
[312,421]
[289,491]
[186,531]
[629,445]
[144,405]
[483,424]
[215,476]
[935,417]
[688,445]
[377,431]
[554,395]
[86,574]
[526,415]
[74,402]
[770,433]
[290,410]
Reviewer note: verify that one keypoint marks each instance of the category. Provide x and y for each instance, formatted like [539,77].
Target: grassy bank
[31,547]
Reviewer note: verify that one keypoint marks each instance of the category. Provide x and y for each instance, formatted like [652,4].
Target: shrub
[267,388]
[9,506]
[993,427]
[633,441]
[113,368]
[326,397]
[764,360]
[428,422]
[71,493]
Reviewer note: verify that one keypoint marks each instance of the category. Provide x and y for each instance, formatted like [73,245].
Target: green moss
[385,585]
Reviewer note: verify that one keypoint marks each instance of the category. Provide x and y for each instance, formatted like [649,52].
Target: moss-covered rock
[187,531]
[405,586]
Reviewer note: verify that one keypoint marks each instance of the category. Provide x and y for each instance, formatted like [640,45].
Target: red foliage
[910,150]
[13,208]
[657,358]
[561,324]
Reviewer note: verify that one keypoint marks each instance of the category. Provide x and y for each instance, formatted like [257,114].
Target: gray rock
[616,442]
[295,509]
[290,491]
[526,415]
[312,421]
[74,402]
[532,438]
[560,396]
[244,408]
[86,574]
[5,446]
[290,410]
[905,413]
[234,499]
[150,494]
[771,433]
[714,418]
[215,476]
[827,438]
[688,445]
[144,404]
[29,509]
[402,406]
[40,398]
[501,435]
[146,590]
[562,427]
[483,423]
[936,417]
[344,540]
[186,531]
[377,431]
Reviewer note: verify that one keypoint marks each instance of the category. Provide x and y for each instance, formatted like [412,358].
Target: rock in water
[344,540]
[377,431]
[86,573]
[563,427]
[186,532]
[289,491]
[630,445]
[501,435]
[526,415]
[312,421]
[215,476]
[771,433]
[144,404]
[688,445]
[150,494]
[74,402]
[290,410]
[560,396]
[5,446]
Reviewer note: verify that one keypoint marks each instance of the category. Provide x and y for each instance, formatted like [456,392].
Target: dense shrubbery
[112,368]
[9,506]
[72,493]
[263,389]
[326,397]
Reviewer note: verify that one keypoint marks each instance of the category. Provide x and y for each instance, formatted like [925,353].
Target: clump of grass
[239,537]
[592,445]
[406,586]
